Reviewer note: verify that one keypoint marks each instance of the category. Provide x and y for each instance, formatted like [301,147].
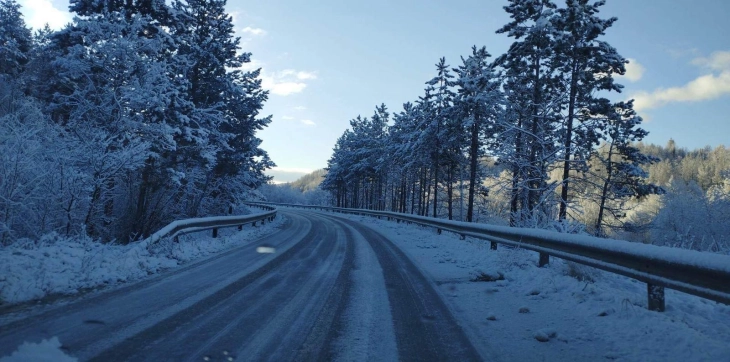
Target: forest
[138,113]
[536,137]
[131,116]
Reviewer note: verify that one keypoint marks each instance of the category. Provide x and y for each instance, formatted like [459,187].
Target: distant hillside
[309,181]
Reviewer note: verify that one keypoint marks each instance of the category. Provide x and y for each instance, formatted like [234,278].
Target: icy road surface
[332,289]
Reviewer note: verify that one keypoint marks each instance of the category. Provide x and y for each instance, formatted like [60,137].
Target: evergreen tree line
[133,115]
[541,110]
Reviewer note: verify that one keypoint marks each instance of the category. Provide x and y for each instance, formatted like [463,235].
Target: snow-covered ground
[580,313]
[48,350]
[563,312]
[60,265]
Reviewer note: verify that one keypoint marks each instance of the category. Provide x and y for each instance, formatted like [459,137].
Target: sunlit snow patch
[45,351]
[265,250]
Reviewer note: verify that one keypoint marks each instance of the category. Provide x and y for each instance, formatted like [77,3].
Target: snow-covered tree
[533,89]
[479,105]
[15,40]
[587,65]
[227,100]
[618,164]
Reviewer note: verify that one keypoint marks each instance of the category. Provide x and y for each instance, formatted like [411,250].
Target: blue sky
[327,61]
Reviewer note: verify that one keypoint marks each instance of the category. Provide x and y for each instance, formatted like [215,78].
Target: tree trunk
[536,178]
[421,192]
[473,161]
[604,192]
[139,228]
[435,184]
[427,199]
[461,193]
[515,192]
[450,191]
[563,213]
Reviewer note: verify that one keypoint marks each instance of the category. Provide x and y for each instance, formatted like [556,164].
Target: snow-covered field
[579,313]
[60,265]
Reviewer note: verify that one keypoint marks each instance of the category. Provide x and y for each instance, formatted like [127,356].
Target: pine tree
[442,100]
[478,103]
[227,100]
[622,175]
[533,107]
[406,163]
[588,65]
[15,40]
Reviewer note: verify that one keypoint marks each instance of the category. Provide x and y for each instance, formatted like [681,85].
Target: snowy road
[333,290]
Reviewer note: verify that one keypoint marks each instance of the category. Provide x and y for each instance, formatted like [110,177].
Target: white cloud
[287,118]
[706,87]
[308,122]
[281,88]
[37,13]
[298,74]
[282,83]
[306,75]
[717,61]
[300,108]
[254,31]
[634,70]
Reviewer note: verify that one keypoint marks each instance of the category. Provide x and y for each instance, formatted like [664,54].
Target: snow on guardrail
[699,273]
[179,227]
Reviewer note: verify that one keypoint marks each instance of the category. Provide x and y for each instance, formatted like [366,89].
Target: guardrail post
[656,297]
[492,245]
[438,231]
[240,227]
[462,237]
[215,233]
[253,224]
[544,260]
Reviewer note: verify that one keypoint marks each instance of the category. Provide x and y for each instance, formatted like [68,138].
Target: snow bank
[57,264]
[562,312]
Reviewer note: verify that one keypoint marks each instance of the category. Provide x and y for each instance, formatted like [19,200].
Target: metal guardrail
[698,273]
[180,227]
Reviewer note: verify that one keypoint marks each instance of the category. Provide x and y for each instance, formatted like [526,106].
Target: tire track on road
[425,329]
[130,346]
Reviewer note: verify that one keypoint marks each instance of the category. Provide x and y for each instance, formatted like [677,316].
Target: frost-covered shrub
[693,219]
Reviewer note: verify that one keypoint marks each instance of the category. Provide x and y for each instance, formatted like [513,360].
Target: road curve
[334,290]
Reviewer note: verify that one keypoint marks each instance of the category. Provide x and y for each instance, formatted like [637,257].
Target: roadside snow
[61,265]
[563,312]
